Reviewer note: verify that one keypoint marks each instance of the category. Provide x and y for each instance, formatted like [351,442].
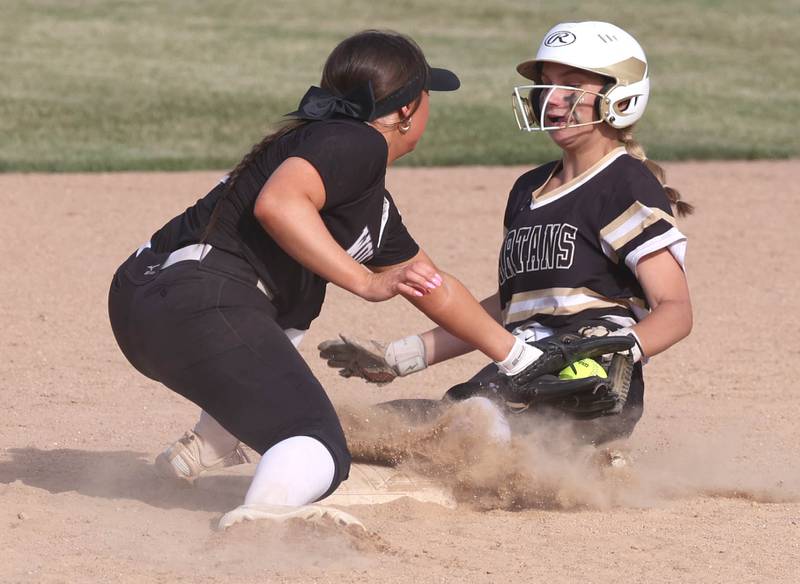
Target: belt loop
[195,251]
[142,247]
[260,285]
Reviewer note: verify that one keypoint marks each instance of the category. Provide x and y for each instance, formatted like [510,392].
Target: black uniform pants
[204,330]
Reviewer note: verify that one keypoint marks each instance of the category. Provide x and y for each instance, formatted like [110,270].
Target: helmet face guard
[533,111]
[619,106]
[598,47]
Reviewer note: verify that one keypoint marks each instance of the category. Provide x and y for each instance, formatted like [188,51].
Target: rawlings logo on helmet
[598,47]
[560,38]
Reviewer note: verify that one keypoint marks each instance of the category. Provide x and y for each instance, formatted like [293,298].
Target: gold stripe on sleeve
[653,215]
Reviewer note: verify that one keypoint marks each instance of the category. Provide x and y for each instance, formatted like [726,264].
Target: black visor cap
[442,80]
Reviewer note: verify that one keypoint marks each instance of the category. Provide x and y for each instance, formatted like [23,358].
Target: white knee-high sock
[216,441]
[296,471]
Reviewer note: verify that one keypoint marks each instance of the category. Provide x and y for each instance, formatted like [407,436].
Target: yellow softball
[583,368]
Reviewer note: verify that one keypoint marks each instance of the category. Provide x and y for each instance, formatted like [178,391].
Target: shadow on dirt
[121,474]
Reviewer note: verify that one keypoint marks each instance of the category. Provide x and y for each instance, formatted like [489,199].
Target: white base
[369,484]
[280,513]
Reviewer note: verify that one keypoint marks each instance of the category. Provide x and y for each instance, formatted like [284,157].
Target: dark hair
[386,59]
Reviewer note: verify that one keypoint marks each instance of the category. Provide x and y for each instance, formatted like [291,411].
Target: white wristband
[521,355]
[636,351]
[406,355]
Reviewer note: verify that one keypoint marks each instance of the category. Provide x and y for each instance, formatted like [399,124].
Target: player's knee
[333,439]
[482,413]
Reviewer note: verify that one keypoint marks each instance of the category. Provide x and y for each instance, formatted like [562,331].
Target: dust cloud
[546,464]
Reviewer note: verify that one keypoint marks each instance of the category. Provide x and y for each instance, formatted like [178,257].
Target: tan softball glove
[374,361]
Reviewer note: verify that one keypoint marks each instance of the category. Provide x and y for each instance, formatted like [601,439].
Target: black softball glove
[538,386]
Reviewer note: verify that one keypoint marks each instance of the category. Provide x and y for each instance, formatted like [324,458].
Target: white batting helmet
[602,48]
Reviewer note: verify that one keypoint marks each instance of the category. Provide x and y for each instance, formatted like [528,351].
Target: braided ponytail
[233,176]
[637,151]
[385,59]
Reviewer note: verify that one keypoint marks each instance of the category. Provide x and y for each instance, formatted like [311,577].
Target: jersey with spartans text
[571,254]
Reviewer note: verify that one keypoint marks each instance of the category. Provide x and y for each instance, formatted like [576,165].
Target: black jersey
[571,254]
[351,159]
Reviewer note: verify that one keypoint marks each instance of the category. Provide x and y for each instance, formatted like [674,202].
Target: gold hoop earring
[405,126]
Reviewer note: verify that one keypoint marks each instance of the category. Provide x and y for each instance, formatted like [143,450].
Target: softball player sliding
[591,245]
[214,305]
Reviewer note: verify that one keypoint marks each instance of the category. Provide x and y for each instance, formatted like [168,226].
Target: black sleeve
[188,227]
[396,244]
[349,156]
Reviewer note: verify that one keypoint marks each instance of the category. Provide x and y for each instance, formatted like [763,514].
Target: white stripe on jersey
[673,240]
[560,302]
[630,223]
[384,219]
[565,189]
[361,250]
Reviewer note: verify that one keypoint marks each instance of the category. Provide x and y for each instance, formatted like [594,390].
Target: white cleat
[184,460]
[612,458]
[281,513]
[618,459]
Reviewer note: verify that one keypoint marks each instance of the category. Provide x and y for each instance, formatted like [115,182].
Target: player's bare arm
[288,209]
[455,309]
[440,345]
[667,292]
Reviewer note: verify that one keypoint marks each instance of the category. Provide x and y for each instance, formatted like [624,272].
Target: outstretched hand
[415,279]
[374,361]
[358,358]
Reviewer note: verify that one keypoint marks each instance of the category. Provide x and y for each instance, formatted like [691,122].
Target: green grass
[147,84]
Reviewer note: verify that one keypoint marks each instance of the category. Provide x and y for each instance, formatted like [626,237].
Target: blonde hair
[637,151]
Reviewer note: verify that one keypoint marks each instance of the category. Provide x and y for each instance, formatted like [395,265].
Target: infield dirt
[713,494]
